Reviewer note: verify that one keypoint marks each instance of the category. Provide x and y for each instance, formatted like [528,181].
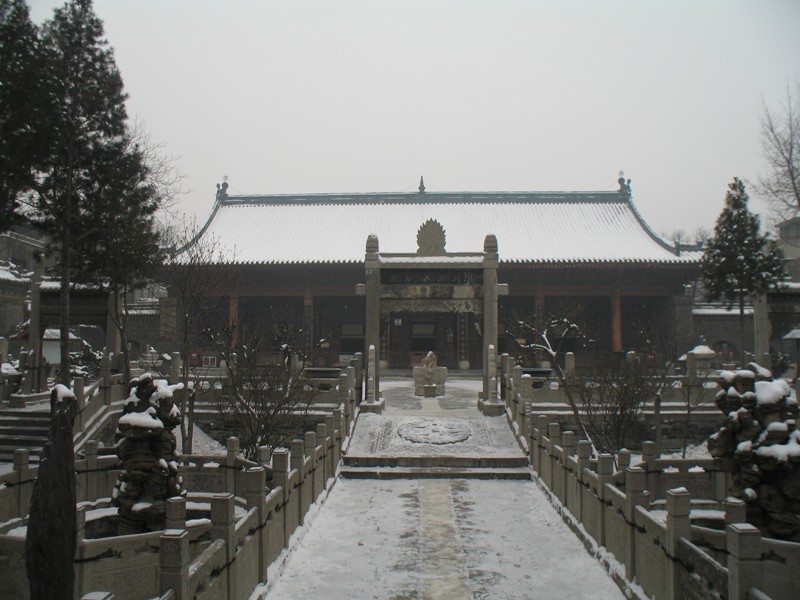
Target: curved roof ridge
[463,197]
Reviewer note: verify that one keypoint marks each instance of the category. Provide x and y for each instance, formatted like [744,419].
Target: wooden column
[233,317]
[308,321]
[616,321]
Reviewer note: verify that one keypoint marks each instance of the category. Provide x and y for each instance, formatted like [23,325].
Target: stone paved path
[438,539]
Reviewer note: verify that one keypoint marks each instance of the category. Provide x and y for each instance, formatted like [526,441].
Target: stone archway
[430,280]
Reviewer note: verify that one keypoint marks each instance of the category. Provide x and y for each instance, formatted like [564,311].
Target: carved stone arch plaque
[431,239]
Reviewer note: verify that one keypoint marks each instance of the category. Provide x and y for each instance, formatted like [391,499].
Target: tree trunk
[121,320]
[52,527]
[185,375]
[741,331]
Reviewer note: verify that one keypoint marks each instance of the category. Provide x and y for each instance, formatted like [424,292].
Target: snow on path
[439,539]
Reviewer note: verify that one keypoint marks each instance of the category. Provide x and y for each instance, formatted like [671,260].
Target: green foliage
[739,260]
[22,100]
[68,161]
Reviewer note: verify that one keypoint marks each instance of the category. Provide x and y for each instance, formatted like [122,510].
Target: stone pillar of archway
[490,261]
[491,291]
[372,291]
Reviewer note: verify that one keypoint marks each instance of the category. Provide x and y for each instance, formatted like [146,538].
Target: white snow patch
[771,392]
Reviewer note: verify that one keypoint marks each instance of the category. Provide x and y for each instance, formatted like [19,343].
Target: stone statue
[429,362]
[147,449]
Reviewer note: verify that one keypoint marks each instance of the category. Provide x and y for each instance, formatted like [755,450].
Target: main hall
[302,259]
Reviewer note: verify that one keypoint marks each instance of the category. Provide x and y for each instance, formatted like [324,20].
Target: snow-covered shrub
[759,444]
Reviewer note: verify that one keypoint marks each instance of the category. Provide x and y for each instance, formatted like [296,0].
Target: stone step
[11,427]
[24,420]
[21,412]
[518,473]
[436,461]
[24,439]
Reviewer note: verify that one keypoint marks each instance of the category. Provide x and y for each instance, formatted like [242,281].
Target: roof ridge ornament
[222,190]
[431,239]
[624,186]
[421,185]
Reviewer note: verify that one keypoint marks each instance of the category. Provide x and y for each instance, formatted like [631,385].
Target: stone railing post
[297,457]
[333,453]
[735,511]
[173,559]
[584,461]
[322,441]
[223,527]
[554,433]
[605,475]
[280,470]
[634,496]
[569,363]
[176,513]
[569,443]
[541,425]
[649,456]
[26,385]
[516,377]
[262,455]
[679,504]
[344,395]
[744,559]
[256,488]
[91,483]
[256,496]
[310,451]
[342,426]
[584,456]
[623,460]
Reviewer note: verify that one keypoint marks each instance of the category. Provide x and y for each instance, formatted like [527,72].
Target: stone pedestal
[424,376]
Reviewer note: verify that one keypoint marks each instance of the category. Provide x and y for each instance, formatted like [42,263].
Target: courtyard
[420,534]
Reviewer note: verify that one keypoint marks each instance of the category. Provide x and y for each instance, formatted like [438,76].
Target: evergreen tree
[86,115]
[22,101]
[739,261]
[124,254]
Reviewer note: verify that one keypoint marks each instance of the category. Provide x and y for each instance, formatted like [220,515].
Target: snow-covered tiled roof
[11,273]
[531,227]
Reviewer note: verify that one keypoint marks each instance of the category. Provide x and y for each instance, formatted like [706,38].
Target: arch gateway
[430,278]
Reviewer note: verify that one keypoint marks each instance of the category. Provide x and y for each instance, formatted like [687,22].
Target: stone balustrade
[639,522]
[253,509]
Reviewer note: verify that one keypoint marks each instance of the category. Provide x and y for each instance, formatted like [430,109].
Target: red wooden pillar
[308,323]
[233,318]
[616,321]
[538,314]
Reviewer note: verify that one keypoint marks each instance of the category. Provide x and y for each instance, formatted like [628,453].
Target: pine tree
[86,116]
[125,253]
[739,261]
[21,107]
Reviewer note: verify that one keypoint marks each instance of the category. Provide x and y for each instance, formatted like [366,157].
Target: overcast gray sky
[356,96]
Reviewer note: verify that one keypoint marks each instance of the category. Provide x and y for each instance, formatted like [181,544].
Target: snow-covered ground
[448,539]
[435,538]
